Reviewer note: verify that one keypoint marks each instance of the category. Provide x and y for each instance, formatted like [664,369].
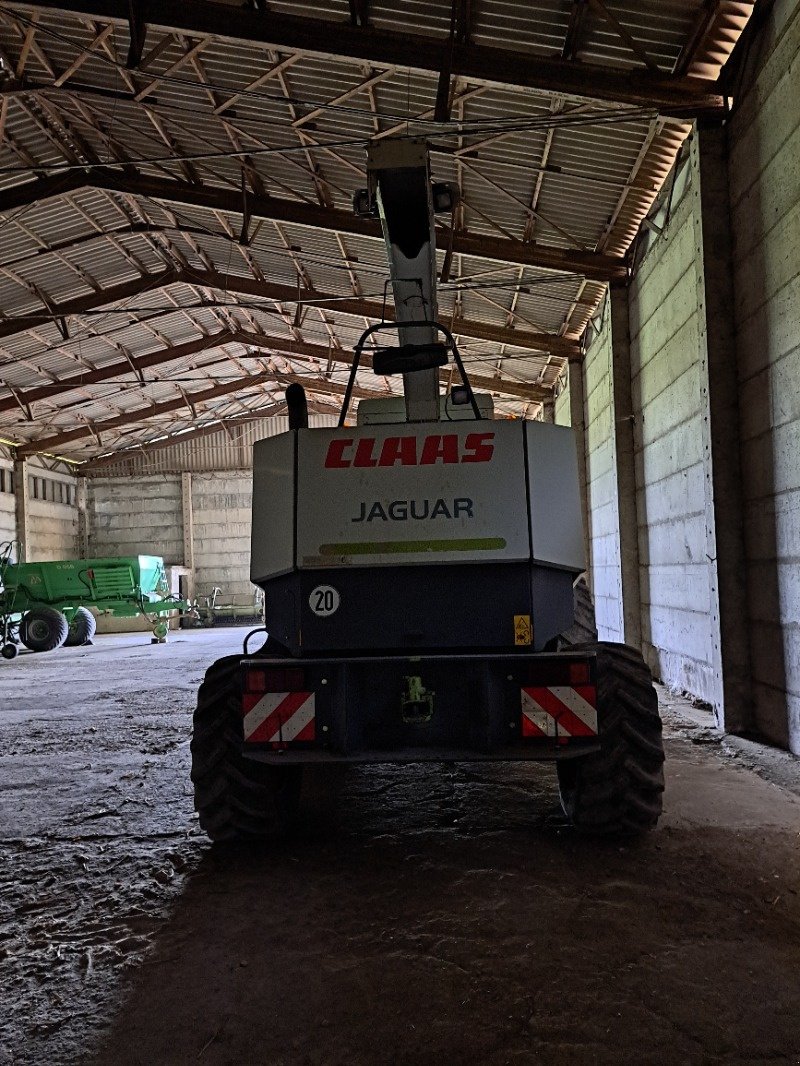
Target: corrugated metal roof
[549,170]
[220,449]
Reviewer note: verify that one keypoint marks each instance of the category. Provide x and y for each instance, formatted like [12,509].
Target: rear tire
[584,628]
[81,629]
[618,789]
[235,797]
[43,629]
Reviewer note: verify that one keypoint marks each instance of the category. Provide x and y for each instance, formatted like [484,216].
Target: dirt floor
[423,915]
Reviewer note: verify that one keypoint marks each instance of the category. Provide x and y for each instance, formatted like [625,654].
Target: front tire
[82,628]
[235,797]
[43,629]
[618,789]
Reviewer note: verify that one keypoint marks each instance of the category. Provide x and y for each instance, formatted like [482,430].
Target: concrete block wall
[604,551]
[667,393]
[221,507]
[675,395]
[136,516]
[144,515]
[562,404]
[764,183]
[667,404]
[52,524]
[8,520]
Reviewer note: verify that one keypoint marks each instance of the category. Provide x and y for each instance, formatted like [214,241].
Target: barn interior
[178,246]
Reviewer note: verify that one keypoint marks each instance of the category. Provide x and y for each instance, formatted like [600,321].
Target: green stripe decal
[405,547]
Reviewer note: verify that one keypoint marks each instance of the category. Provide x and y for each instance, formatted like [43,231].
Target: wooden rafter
[623,33]
[292,349]
[572,39]
[382,47]
[591,264]
[284,294]
[192,400]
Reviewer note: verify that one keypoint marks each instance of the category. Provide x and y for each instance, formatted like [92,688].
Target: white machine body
[422,494]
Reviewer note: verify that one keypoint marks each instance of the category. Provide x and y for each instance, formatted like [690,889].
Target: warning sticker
[523,630]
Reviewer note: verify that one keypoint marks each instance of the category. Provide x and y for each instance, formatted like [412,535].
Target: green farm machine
[46,605]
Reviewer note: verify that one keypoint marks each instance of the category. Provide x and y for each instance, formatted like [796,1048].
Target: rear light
[560,670]
[579,674]
[274,679]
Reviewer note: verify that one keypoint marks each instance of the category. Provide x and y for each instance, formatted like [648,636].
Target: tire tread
[618,789]
[235,798]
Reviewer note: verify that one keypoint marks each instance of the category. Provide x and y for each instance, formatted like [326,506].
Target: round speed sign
[324,600]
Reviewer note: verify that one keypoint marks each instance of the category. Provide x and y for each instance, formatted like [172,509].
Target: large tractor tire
[584,628]
[618,789]
[235,797]
[81,629]
[43,629]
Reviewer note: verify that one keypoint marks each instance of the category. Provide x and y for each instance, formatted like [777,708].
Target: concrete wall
[764,179]
[667,402]
[562,404]
[8,521]
[144,515]
[221,506]
[136,516]
[667,393]
[52,524]
[672,330]
[604,558]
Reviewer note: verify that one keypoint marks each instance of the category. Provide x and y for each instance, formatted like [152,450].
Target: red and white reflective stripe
[559,710]
[279,717]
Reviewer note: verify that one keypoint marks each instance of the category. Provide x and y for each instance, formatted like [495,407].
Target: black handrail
[348,392]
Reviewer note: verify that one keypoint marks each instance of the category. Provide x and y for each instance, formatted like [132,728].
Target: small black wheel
[81,629]
[9,651]
[618,789]
[235,797]
[43,629]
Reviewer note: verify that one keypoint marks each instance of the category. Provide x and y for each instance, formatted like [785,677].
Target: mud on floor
[423,915]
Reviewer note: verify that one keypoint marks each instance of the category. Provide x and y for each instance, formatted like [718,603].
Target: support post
[82,502]
[721,446]
[577,417]
[549,411]
[21,509]
[188,532]
[627,522]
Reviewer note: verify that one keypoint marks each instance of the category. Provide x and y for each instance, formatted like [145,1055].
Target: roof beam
[186,400]
[576,14]
[134,365]
[285,346]
[624,34]
[20,323]
[671,95]
[592,265]
[137,32]
[244,286]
